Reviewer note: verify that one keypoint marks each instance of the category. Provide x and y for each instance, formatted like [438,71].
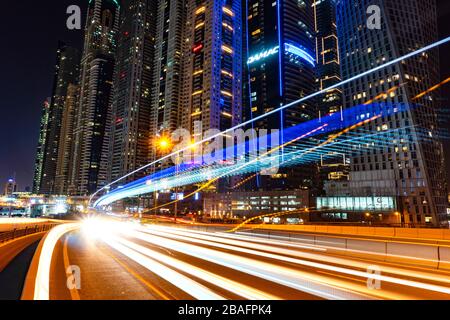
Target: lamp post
[163,143]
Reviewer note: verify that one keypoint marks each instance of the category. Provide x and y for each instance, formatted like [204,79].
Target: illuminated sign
[288,48]
[357,203]
[263,55]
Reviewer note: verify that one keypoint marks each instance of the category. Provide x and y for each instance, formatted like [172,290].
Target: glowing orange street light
[163,143]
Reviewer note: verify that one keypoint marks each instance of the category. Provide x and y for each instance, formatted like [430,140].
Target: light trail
[178,256]
[227,284]
[189,286]
[238,169]
[271,246]
[41,286]
[361,75]
[242,249]
[382,139]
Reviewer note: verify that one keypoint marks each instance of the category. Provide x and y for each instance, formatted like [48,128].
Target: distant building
[93,115]
[66,73]
[129,142]
[40,151]
[63,183]
[249,204]
[10,187]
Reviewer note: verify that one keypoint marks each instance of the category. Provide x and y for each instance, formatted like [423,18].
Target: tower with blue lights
[281,62]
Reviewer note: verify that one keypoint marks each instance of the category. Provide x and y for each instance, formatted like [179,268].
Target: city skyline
[231,150]
[20,160]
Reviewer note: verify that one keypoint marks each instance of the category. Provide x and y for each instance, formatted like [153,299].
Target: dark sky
[29,31]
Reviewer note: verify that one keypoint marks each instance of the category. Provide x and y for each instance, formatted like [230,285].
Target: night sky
[29,34]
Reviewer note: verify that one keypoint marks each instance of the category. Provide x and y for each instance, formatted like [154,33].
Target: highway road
[118,260]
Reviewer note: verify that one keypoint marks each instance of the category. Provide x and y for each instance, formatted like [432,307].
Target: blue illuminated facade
[281,67]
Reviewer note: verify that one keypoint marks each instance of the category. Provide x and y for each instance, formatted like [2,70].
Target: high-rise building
[212,93]
[66,73]
[328,68]
[10,187]
[333,165]
[65,150]
[40,151]
[93,114]
[281,64]
[212,64]
[167,73]
[412,167]
[130,126]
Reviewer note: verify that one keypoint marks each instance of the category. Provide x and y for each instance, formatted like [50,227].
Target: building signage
[288,48]
[357,203]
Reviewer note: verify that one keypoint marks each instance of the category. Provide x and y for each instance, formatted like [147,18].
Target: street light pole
[176,194]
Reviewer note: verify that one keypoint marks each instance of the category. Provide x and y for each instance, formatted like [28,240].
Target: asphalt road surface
[114,260]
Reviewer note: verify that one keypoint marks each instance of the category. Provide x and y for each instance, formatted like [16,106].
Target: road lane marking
[73,292]
[42,281]
[137,276]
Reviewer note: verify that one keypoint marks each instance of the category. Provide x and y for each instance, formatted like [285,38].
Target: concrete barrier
[330,241]
[417,254]
[444,257]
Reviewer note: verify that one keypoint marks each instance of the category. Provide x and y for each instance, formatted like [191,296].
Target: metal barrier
[19,233]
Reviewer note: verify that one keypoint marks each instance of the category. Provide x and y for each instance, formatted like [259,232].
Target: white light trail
[42,281]
[397,60]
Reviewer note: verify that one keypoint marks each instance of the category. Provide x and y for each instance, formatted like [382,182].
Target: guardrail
[19,233]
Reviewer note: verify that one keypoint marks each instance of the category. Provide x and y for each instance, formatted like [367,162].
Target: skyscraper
[130,125]
[281,63]
[66,73]
[333,165]
[167,73]
[412,168]
[65,152]
[93,114]
[212,93]
[41,147]
[328,68]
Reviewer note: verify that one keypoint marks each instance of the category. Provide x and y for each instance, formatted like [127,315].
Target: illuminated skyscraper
[327,55]
[130,125]
[333,165]
[66,73]
[94,110]
[412,168]
[281,64]
[41,147]
[167,75]
[212,93]
[65,150]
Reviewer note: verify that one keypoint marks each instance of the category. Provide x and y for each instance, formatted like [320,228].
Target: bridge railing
[22,232]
